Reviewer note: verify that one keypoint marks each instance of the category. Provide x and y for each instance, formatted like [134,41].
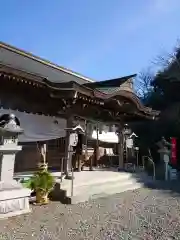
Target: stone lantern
[164,151]
[14,199]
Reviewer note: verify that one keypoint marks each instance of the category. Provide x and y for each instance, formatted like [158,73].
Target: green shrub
[26,183]
[42,181]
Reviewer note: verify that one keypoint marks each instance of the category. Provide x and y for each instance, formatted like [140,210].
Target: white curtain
[108,137]
[38,127]
[106,133]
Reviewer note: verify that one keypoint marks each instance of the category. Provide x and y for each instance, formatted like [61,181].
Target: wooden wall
[28,158]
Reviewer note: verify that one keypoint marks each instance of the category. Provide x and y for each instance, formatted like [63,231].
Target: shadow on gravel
[167,186]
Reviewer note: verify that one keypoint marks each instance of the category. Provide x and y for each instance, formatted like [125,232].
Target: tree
[144,84]
[161,92]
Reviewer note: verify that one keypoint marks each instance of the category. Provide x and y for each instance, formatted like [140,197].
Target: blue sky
[100,39]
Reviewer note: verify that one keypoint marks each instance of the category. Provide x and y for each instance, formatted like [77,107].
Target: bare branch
[165,60]
[143,83]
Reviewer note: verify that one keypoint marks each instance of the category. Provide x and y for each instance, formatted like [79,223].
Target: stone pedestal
[14,199]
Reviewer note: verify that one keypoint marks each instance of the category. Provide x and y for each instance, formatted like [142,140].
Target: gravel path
[141,214]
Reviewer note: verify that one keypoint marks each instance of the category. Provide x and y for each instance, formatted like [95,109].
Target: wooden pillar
[91,157]
[120,147]
[97,146]
[86,144]
[86,138]
[68,154]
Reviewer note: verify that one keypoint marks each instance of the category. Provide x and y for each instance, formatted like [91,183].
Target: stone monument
[164,150]
[14,199]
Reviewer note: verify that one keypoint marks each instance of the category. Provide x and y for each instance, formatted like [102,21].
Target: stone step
[106,186]
[86,196]
[100,179]
[95,189]
[111,191]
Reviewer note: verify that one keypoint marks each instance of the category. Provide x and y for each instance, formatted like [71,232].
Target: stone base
[14,199]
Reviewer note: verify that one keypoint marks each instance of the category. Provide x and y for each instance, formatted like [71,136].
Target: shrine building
[49,99]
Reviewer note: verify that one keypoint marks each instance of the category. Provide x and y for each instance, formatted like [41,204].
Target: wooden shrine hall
[34,86]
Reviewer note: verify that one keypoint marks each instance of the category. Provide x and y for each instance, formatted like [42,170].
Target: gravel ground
[140,214]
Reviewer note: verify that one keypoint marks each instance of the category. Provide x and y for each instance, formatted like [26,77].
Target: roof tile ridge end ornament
[43,61]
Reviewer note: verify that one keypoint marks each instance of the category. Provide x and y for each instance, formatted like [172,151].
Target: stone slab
[13,207]
[14,199]
[14,194]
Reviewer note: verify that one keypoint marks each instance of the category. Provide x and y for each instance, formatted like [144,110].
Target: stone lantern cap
[10,125]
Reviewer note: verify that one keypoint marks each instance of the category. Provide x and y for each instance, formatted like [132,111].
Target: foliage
[161,92]
[42,181]
[26,183]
